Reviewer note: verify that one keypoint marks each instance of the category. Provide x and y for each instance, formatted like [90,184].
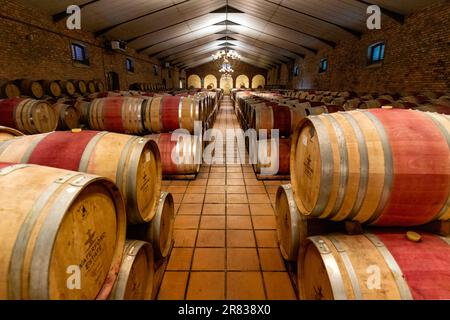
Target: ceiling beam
[301,55]
[181,45]
[107,29]
[248,57]
[183,53]
[356,33]
[189,53]
[208,54]
[61,15]
[261,52]
[195,64]
[312,50]
[244,45]
[391,14]
[166,27]
[173,38]
[325,41]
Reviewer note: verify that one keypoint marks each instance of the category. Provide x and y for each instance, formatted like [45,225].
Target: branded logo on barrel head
[91,236]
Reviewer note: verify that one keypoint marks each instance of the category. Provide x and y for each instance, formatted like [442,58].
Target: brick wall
[280,75]
[32,46]
[417,58]
[242,69]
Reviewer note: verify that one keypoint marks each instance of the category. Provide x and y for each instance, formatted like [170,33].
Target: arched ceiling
[265,32]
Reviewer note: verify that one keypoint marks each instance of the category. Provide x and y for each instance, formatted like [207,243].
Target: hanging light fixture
[226,59]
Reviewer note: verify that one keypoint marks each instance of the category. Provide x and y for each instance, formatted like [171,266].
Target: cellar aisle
[225,234]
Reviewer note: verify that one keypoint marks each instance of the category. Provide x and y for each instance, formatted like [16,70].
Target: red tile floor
[225,234]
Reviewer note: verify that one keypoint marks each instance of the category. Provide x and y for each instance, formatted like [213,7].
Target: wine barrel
[31,88]
[81,86]
[443,109]
[91,87]
[52,88]
[118,114]
[376,103]
[67,87]
[135,279]
[9,133]
[159,231]
[28,115]
[291,225]
[61,223]
[268,163]
[81,105]
[443,100]
[68,116]
[352,104]
[167,114]
[272,117]
[339,101]
[387,167]
[186,148]
[100,86]
[132,162]
[374,266]
[10,90]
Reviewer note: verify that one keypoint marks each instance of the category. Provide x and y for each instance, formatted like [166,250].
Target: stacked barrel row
[387,170]
[163,117]
[147,87]
[49,88]
[67,199]
[255,111]
[434,102]
[139,115]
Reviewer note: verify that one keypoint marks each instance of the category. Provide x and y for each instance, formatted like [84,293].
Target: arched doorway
[194,81]
[210,82]
[226,83]
[242,82]
[258,81]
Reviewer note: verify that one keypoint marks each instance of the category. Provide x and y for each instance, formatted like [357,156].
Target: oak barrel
[8,133]
[67,87]
[91,87]
[272,117]
[133,163]
[291,225]
[186,150]
[80,86]
[9,90]
[100,86]
[63,224]
[159,231]
[81,105]
[166,114]
[68,116]
[52,88]
[271,161]
[118,114]
[135,279]
[381,266]
[31,88]
[28,115]
[387,167]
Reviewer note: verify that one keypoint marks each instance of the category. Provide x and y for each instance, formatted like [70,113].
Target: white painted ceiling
[264,32]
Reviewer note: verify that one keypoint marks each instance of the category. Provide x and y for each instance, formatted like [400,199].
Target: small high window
[80,54]
[129,64]
[376,53]
[323,66]
[296,71]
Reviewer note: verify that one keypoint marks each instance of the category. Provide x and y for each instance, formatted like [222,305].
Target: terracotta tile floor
[225,234]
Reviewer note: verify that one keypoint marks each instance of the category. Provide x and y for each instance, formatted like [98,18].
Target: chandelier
[226,60]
